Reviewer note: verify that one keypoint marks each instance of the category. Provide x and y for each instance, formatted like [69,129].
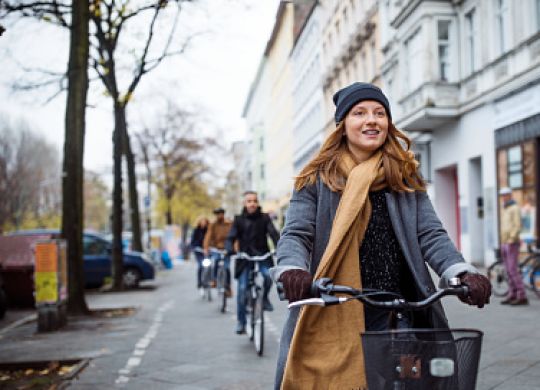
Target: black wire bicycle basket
[422,359]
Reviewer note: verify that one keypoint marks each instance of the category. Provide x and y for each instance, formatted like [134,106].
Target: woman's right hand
[296,284]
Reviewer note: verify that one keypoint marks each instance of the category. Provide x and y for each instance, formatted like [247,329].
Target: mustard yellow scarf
[326,349]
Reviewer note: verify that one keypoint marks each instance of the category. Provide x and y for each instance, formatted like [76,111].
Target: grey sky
[215,76]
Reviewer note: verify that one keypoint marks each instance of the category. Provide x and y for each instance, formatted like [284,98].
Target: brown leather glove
[479,289]
[296,284]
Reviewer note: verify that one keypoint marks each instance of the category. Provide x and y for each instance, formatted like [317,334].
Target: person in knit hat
[360,215]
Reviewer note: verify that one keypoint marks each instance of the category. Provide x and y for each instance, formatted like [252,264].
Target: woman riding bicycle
[361,216]
[196,244]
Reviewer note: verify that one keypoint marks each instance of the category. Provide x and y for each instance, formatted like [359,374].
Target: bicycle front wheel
[206,279]
[535,280]
[496,274]
[258,324]
[221,286]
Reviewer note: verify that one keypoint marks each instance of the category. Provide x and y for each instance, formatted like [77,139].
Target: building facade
[463,80]
[269,116]
[350,46]
[308,98]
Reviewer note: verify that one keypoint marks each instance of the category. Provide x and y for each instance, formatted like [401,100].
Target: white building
[255,112]
[464,76]
[308,97]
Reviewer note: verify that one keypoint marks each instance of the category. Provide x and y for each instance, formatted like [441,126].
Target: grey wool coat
[418,231]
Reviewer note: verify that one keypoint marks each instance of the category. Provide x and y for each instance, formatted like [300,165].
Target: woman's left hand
[479,289]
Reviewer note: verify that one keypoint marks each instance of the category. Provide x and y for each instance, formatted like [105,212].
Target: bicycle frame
[254,300]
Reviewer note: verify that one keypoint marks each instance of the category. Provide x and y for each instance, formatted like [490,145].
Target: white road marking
[144,342]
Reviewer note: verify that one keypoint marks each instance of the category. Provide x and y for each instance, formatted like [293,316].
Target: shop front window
[515,167]
[517,170]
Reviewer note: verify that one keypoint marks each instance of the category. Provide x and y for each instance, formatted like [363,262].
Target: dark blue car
[97,259]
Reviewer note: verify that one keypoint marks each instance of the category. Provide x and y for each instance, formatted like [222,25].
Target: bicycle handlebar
[326,289]
[245,256]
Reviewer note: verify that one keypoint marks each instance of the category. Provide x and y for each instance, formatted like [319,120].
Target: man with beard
[251,230]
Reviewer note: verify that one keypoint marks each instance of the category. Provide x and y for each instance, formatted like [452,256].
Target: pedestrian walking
[510,243]
[196,245]
[360,215]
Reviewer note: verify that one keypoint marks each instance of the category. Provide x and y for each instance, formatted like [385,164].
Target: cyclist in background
[251,230]
[215,238]
[196,244]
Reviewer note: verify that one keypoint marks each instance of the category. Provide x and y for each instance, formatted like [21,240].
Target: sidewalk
[107,342]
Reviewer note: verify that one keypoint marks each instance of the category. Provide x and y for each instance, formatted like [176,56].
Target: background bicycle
[222,277]
[529,269]
[407,359]
[254,299]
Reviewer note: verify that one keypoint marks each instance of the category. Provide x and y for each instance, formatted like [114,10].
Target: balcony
[429,106]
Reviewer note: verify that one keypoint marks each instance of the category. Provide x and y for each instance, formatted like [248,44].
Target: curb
[21,321]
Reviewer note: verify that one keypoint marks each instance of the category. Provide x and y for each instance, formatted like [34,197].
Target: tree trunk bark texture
[117,252]
[136,242]
[72,178]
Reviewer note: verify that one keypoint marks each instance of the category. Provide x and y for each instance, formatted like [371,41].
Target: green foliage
[96,207]
[190,201]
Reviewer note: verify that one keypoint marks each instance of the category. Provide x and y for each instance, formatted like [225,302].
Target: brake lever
[322,286]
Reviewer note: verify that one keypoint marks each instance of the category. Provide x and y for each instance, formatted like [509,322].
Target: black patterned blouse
[382,263]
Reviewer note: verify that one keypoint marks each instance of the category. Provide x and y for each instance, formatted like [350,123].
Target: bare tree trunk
[136,242]
[168,213]
[72,181]
[117,253]
[185,246]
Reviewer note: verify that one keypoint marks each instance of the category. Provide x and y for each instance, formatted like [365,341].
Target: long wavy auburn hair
[400,166]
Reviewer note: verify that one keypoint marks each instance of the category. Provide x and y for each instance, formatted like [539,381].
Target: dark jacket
[418,231]
[197,237]
[251,231]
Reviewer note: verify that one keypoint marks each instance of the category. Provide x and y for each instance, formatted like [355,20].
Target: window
[501,25]
[262,171]
[373,60]
[515,167]
[537,4]
[443,32]
[413,70]
[470,36]
[94,247]
[261,144]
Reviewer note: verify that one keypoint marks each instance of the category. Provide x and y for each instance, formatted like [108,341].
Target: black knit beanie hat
[347,97]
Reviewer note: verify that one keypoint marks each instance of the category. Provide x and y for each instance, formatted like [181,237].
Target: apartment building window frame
[537,14]
[502,28]
[373,60]
[515,166]
[444,49]
[409,76]
[471,39]
[261,171]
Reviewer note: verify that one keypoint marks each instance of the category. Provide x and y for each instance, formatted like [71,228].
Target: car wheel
[131,277]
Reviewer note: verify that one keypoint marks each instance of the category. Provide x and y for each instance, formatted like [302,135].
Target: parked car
[97,259]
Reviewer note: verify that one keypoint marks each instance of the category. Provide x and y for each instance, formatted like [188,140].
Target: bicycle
[221,277]
[206,276]
[406,359]
[254,299]
[529,268]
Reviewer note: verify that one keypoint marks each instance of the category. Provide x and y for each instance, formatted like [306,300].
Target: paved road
[186,343]
[177,341]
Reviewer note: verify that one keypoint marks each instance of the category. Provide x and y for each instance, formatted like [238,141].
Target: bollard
[50,281]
